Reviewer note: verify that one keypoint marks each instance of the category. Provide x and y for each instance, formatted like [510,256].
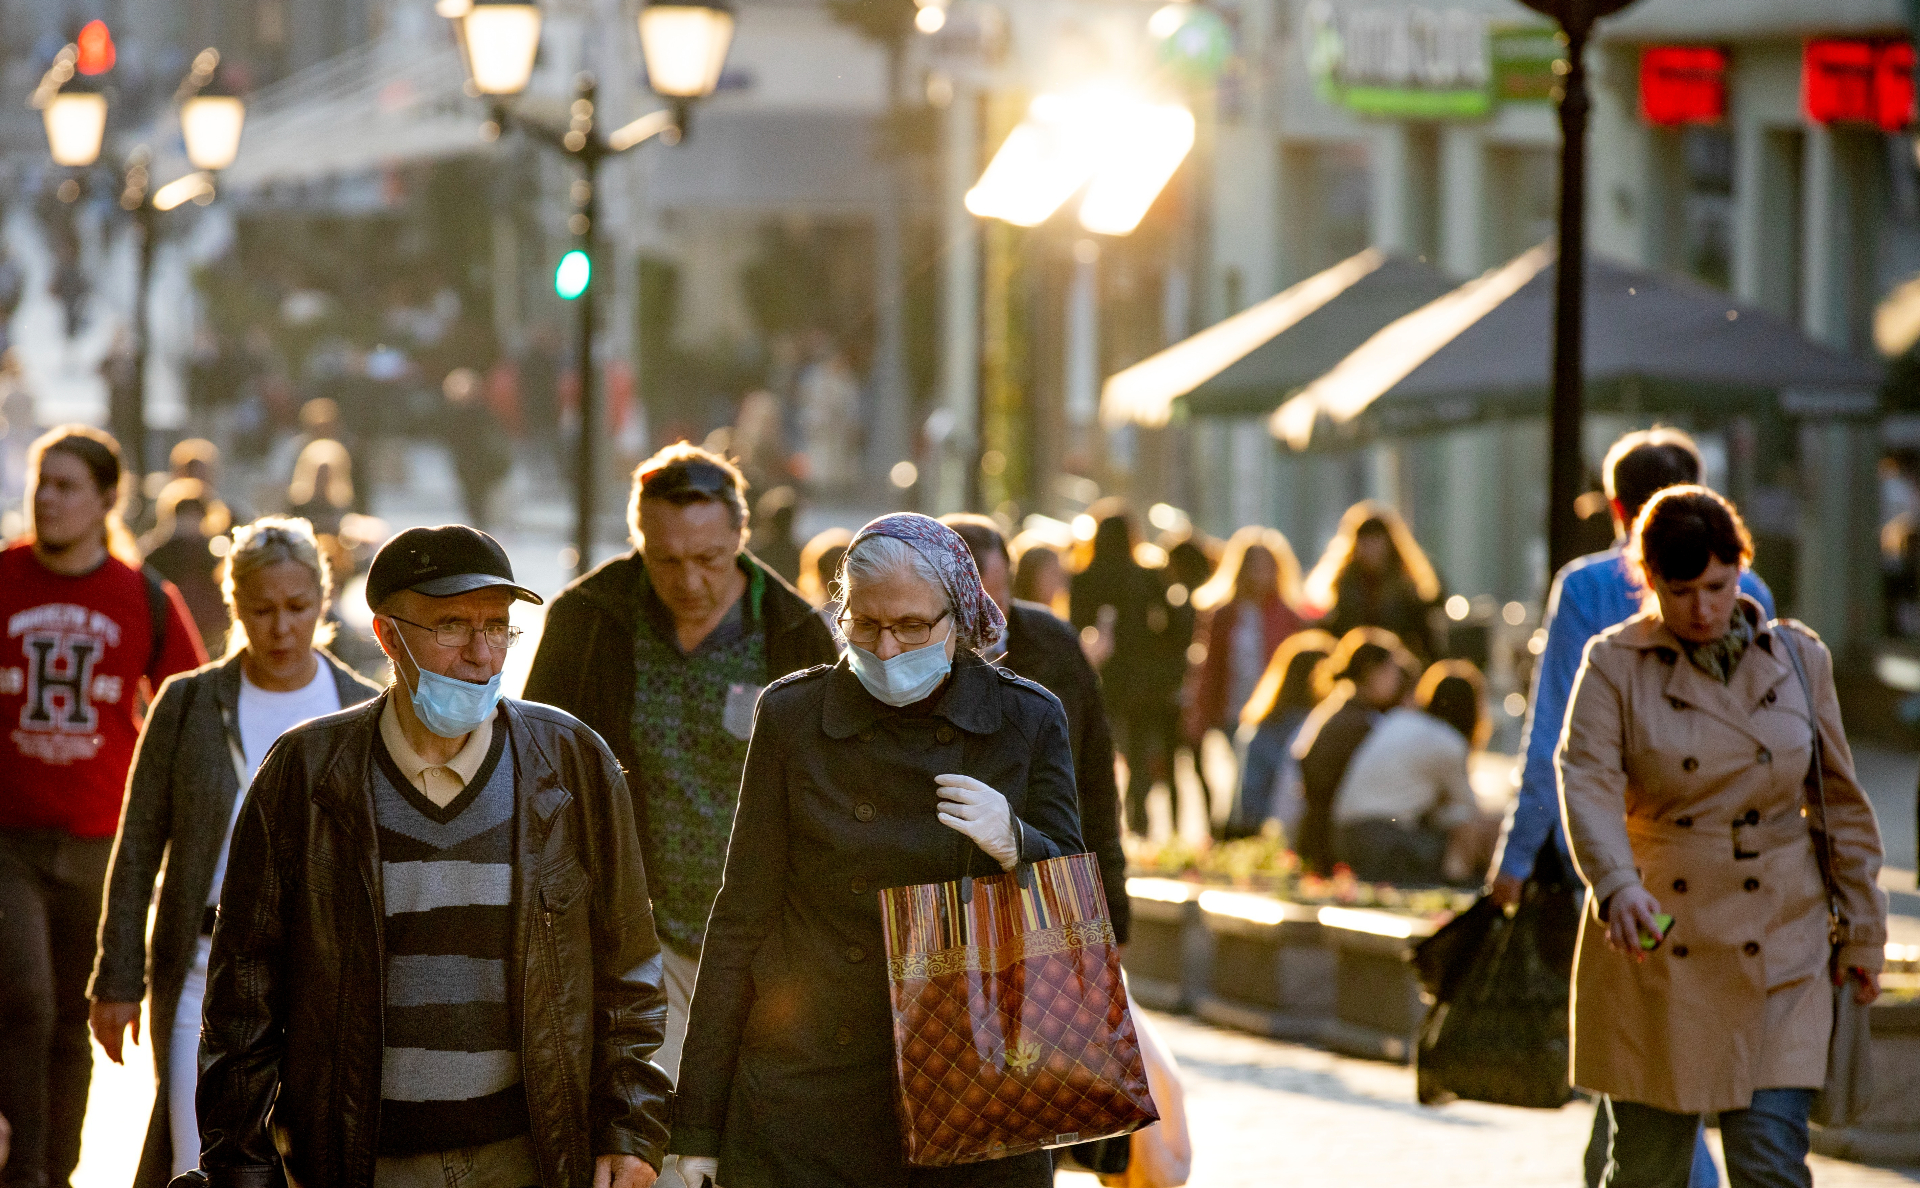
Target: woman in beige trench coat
[1682,767]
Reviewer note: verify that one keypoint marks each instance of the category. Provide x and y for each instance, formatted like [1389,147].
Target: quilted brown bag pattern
[1010,1024]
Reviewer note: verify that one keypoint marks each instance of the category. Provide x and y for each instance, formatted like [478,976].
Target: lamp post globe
[76,123]
[210,125]
[502,37]
[685,44]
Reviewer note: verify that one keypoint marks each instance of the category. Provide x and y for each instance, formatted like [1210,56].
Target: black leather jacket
[291,1050]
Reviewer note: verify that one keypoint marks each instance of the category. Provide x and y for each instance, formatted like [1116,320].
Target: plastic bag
[1497,1029]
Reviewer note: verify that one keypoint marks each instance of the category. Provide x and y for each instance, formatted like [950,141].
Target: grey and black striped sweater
[450,1074]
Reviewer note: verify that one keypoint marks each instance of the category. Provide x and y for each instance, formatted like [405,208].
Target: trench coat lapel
[1732,704]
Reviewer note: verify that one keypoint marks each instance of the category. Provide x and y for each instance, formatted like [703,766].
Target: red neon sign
[1683,84]
[1858,82]
[95,46]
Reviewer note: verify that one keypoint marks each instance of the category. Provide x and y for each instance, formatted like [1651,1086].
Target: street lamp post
[684,43]
[75,113]
[1565,474]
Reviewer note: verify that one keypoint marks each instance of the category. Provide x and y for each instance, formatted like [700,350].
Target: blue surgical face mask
[908,677]
[448,707]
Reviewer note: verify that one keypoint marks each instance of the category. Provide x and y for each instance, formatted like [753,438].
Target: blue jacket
[1589,595]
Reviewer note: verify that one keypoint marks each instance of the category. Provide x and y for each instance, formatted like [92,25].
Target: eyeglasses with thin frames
[908,633]
[458,635]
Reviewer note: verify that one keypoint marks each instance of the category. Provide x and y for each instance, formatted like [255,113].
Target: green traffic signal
[571,277]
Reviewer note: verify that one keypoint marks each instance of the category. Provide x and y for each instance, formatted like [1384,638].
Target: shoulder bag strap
[1817,785]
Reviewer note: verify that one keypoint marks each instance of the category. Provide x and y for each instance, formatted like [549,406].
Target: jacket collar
[617,586]
[972,700]
[1761,669]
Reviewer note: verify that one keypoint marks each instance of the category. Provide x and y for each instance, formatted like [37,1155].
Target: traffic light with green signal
[571,278]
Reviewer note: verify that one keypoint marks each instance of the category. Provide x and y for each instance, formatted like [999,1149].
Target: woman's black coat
[180,794]
[788,1073]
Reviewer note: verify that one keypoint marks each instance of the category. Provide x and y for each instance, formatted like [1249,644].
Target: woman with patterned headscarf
[910,761]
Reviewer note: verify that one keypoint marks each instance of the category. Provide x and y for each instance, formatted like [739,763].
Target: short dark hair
[1645,462]
[982,536]
[1454,691]
[683,474]
[1359,652]
[92,448]
[1681,528]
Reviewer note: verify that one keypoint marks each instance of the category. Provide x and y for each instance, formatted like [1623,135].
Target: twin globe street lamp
[74,109]
[684,44]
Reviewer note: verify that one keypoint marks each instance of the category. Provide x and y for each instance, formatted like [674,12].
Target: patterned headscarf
[976,617]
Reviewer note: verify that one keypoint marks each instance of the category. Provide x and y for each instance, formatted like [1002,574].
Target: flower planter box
[1166,957]
[1377,1007]
[1270,969]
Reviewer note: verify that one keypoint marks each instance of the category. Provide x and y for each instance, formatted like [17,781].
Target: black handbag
[1497,1028]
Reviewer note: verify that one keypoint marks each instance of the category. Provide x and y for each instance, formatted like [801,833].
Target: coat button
[856,954]
[1676,703]
[858,886]
[1764,755]
[1689,764]
[944,735]
[1752,817]
[1680,885]
[1684,822]
[1751,948]
[863,812]
[1751,884]
[1679,950]
[866,736]
[843,1037]
[1773,695]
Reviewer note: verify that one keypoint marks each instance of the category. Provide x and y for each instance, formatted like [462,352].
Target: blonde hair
[214,517]
[1221,587]
[1274,686]
[1323,582]
[819,556]
[306,474]
[267,541]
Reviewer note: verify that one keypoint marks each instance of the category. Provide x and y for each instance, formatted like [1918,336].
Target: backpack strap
[158,606]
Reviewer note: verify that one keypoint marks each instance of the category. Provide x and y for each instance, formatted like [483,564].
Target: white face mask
[908,677]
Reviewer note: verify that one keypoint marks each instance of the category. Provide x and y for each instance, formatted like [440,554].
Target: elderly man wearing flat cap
[435,962]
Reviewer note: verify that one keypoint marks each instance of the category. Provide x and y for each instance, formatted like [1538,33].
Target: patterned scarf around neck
[1720,657]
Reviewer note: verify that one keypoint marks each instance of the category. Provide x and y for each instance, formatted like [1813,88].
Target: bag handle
[1817,784]
[1022,866]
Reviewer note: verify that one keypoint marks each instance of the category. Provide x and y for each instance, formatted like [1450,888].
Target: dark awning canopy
[1655,343]
[1249,363]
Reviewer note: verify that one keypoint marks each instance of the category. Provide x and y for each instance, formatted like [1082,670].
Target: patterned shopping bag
[1010,1023]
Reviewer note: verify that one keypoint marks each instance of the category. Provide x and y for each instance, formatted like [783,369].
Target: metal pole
[584,469]
[133,447]
[1566,469]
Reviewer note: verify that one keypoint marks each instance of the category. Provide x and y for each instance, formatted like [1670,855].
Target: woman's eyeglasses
[499,636]
[908,633]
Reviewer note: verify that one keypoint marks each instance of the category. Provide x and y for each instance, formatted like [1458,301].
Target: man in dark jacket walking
[664,651]
[433,960]
[1046,650]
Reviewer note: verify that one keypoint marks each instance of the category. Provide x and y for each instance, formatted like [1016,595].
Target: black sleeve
[1048,822]
[561,664]
[1099,795]
[244,1038]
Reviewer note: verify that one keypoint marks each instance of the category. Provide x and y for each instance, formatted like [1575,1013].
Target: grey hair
[267,541]
[876,558]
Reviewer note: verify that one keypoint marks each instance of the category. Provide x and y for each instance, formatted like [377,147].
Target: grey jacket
[180,795]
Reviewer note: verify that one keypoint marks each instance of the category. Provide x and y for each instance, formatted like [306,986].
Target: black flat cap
[440,563]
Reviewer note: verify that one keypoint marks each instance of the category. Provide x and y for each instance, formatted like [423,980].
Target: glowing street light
[210,125]
[502,38]
[76,124]
[685,45]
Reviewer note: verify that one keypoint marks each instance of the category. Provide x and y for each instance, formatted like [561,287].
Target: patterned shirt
[692,714]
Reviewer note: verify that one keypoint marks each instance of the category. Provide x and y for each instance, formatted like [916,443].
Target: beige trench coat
[1695,790]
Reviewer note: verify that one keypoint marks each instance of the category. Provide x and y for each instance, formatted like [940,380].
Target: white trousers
[678,974]
[183,1063]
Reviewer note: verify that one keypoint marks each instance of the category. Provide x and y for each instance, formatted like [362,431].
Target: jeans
[1703,1175]
[678,974]
[508,1163]
[1766,1143]
[51,885]
[183,1072]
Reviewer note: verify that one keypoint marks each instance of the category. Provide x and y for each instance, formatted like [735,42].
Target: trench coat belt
[1786,829]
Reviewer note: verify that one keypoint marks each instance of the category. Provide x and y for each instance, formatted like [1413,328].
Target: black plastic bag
[1497,1028]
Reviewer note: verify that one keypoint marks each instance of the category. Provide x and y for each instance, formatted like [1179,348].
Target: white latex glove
[972,808]
[696,1170]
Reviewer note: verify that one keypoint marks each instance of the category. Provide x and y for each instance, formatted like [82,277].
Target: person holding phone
[1701,980]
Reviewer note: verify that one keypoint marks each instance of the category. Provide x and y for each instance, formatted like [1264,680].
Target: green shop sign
[1423,63]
